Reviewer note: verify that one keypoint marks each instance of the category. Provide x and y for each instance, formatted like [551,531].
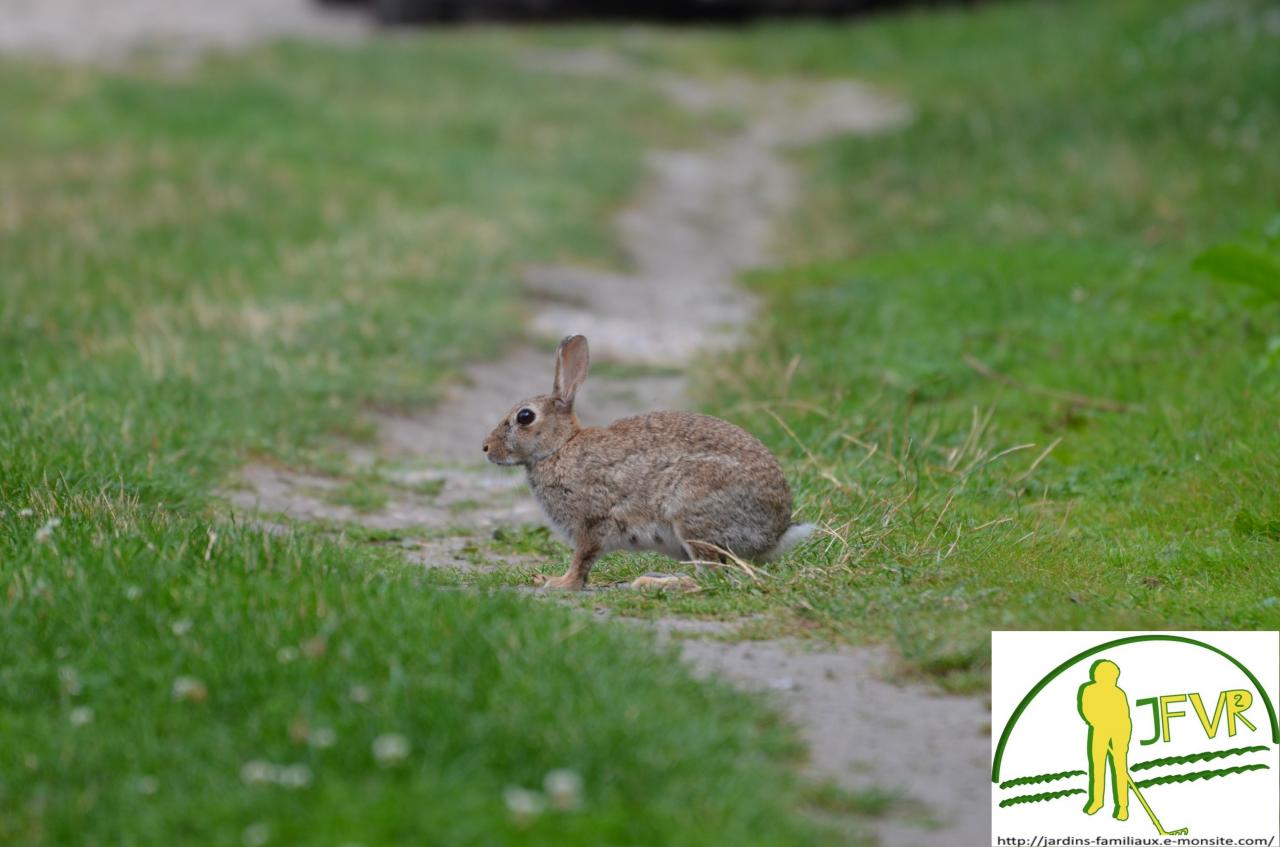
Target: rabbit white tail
[795,534]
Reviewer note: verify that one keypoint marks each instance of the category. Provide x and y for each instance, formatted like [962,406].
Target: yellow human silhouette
[1105,707]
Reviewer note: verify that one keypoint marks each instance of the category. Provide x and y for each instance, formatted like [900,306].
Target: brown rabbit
[681,484]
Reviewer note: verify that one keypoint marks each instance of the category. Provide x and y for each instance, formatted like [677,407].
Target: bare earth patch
[866,732]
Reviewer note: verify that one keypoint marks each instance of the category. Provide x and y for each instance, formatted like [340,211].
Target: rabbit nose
[485,448]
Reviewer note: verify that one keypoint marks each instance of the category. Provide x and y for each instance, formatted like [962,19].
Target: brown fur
[679,483]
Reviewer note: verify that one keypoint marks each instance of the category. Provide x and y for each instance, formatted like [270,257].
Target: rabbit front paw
[561,583]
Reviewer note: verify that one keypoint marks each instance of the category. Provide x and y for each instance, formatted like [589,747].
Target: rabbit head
[536,428]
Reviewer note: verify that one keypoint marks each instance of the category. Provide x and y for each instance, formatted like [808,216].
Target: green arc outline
[1049,677]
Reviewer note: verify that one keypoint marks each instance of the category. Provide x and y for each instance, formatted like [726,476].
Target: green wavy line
[1044,777]
[1040,798]
[1207,755]
[1194,775]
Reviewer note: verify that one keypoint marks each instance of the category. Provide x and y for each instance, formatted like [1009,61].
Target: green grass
[303,654]
[234,262]
[1040,217]
[269,243]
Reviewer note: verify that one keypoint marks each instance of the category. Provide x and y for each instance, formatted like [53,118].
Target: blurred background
[1002,282]
[410,11]
[82,27]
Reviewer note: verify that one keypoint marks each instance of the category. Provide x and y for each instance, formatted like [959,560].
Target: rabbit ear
[572,360]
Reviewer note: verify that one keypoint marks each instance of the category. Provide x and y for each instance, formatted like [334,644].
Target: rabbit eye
[524,417]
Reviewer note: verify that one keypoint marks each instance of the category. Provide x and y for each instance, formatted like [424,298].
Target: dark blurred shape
[426,11]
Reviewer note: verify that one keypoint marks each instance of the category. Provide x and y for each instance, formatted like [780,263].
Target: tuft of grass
[428,487]
[830,798]
[531,539]
[364,493]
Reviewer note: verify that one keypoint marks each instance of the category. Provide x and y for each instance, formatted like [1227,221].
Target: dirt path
[704,216]
[868,732]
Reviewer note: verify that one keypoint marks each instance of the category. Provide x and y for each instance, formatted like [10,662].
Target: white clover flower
[322,738]
[522,804]
[564,789]
[69,680]
[133,592]
[256,834]
[190,689]
[146,785]
[287,654]
[359,694]
[26,513]
[45,532]
[181,626]
[294,776]
[258,771]
[81,715]
[390,749]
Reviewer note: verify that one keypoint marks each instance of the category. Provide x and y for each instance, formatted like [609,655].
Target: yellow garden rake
[1151,814]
